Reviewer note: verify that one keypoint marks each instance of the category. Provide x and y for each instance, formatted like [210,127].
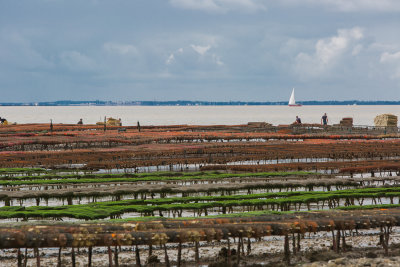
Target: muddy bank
[315,252]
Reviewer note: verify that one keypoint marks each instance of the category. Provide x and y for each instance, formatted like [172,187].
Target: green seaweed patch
[21,170]
[369,207]
[104,178]
[101,210]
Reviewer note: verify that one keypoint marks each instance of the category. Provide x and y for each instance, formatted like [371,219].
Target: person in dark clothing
[298,120]
[324,119]
[80,121]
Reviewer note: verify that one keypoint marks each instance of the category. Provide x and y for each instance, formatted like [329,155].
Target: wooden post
[150,250]
[286,250]
[333,241]
[294,244]
[26,257]
[238,252]
[37,257]
[59,258]
[116,256]
[73,257]
[242,245]
[179,254]
[229,254]
[19,258]
[166,256]
[384,245]
[109,257]
[196,252]
[343,241]
[385,234]
[137,256]
[298,242]
[90,257]
[248,246]
[337,241]
[381,237]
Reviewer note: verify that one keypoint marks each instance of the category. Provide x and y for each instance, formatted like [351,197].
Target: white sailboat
[292,101]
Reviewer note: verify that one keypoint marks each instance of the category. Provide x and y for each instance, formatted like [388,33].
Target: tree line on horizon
[195,103]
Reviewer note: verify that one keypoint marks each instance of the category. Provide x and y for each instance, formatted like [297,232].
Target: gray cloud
[76,61]
[351,5]
[121,49]
[328,53]
[210,50]
[17,51]
[220,6]
[393,61]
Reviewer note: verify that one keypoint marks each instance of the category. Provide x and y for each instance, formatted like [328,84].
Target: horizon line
[194,102]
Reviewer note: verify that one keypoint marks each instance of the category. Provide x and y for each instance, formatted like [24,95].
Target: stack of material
[346,122]
[387,120]
[259,124]
[111,122]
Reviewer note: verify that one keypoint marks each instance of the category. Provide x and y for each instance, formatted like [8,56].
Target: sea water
[194,115]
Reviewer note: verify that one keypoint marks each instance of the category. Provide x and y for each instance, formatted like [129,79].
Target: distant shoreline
[197,103]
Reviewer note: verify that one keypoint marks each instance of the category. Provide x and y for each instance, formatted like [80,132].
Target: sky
[210,50]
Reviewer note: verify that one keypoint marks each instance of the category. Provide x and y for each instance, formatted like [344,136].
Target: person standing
[298,120]
[324,119]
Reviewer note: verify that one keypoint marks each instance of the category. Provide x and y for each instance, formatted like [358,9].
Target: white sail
[291,100]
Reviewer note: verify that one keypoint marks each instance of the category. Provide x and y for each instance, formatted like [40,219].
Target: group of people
[324,120]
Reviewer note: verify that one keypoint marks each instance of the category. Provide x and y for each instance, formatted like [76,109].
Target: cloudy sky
[248,50]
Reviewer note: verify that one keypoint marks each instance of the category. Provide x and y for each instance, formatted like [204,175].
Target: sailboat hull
[295,105]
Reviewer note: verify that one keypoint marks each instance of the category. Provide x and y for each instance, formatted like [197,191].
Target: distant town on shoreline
[193,103]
